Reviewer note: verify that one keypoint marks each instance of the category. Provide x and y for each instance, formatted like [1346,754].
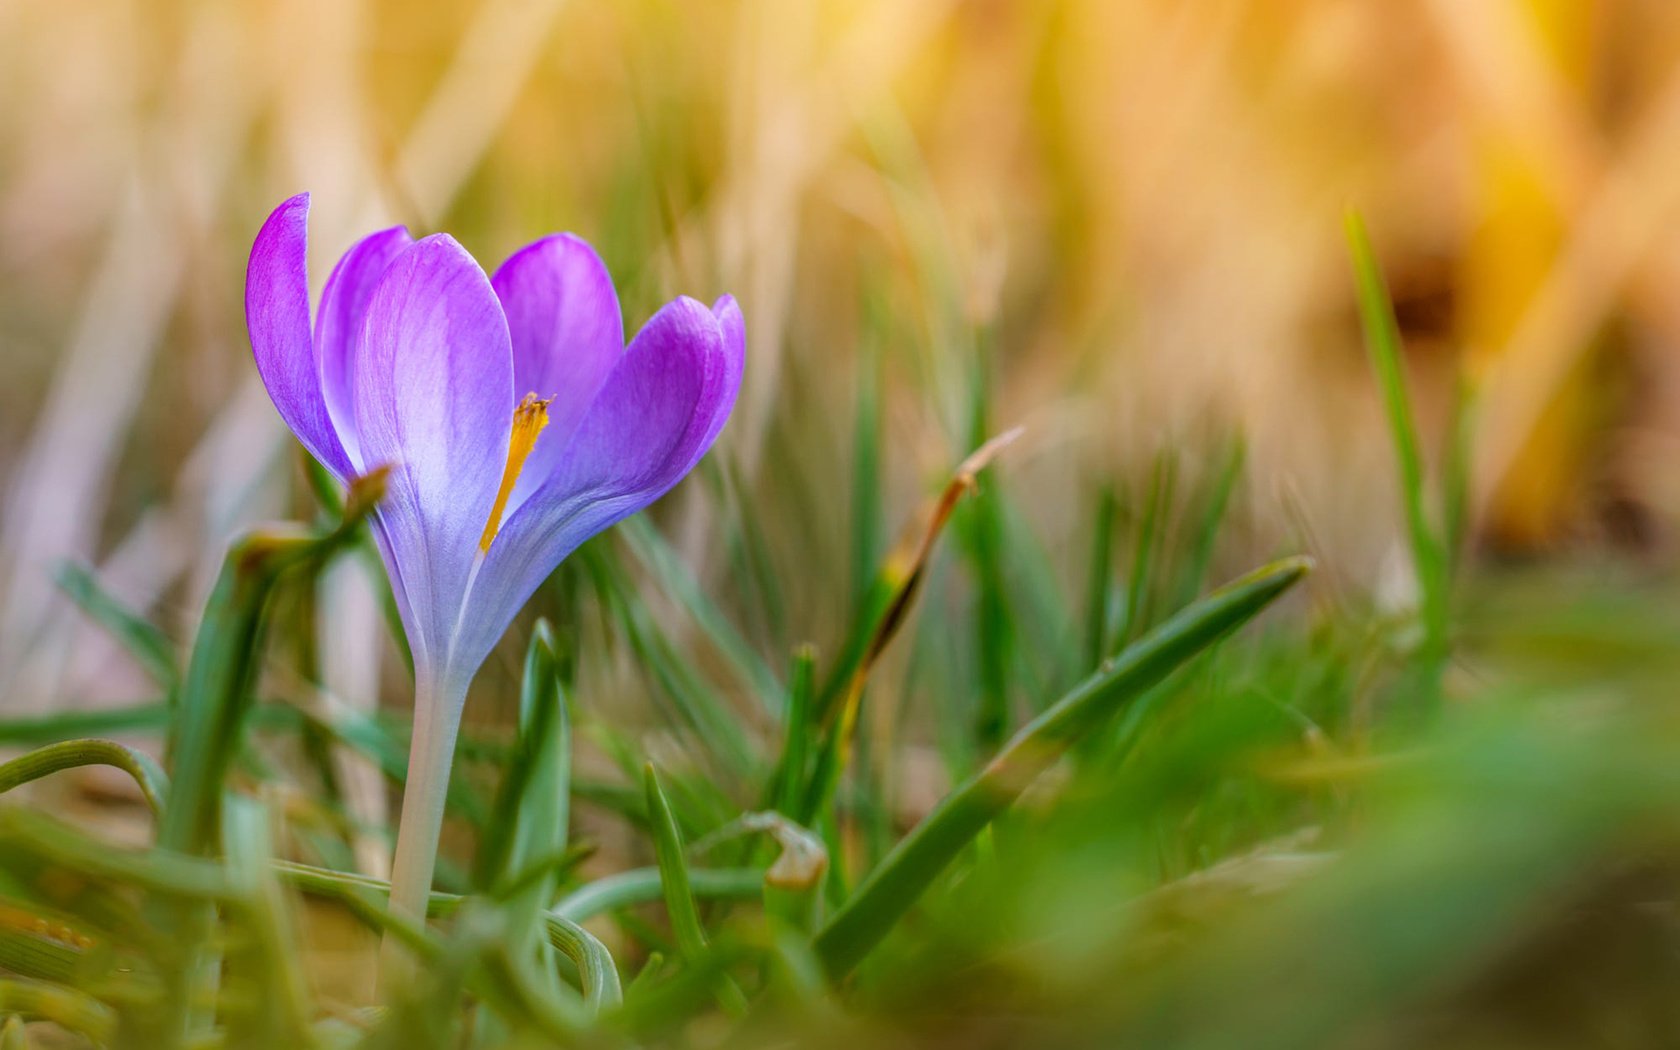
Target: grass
[1008,802]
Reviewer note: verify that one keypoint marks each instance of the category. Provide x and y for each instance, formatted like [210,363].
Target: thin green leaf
[1382,339]
[149,646]
[893,887]
[71,754]
[1099,577]
[217,692]
[673,870]
[788,782]
[662,563]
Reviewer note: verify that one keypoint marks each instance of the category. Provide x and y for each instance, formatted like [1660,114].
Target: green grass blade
[66,1007]
[1382,339]
[151,717]
[893,887]
[1212,519]
[673,870]
[868,529]
[1455,474]
[1148,553]
[596,970]
[264,960]
[662,563]
[716,729]
[216,695]
[529,816]
[641,885]
[679,894]
[1099,578]
[71,754]
[533,810]
[149,646]
[787,783]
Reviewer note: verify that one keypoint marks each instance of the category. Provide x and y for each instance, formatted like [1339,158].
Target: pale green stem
[438,700]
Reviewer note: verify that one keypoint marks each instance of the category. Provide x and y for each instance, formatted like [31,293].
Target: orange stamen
[528,421]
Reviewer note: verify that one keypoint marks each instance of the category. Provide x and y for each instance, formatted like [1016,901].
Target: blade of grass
[994,635]
[1455,474]
[891,596]
[892,888]
[662,562]
[1382,340]
[1206,535]
[65,1007]
[1147,554]
[1099,577]
[217,692]
[264,958]
[716,729]
[673,870]
[149,646]
[679,896]
[533,807]
[783,791]
[71,754]
[641,885]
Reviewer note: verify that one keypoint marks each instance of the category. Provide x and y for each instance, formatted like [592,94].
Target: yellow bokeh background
[1128,212]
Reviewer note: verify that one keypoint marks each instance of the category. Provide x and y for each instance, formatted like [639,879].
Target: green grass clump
[1016,798]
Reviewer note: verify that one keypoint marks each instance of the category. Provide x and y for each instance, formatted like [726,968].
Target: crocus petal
[651,422]
[734,330]
[562,315]
[338,327]
[277,315]
[433,396]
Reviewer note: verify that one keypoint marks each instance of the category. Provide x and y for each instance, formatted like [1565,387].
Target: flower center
[528,421]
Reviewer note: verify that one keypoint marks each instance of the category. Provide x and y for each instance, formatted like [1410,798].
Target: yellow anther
[528,421]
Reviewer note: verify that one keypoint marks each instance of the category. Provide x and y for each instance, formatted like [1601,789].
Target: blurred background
[1122,222]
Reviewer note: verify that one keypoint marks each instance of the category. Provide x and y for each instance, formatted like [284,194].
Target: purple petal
[434,398]
[567,333]
[734,328]
[338,326]
[277,315]
[654,418]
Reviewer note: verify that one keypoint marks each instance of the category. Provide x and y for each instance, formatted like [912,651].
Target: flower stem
[438,700]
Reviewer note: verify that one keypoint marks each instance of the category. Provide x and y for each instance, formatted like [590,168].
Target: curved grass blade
[640,885]
[596,969]
[365,896]
[893,887]
[66,1007]
[73,754]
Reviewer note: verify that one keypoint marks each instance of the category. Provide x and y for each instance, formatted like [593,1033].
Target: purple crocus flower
[515,422]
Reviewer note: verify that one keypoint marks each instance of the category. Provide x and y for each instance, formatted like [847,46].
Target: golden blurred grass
[1133,208]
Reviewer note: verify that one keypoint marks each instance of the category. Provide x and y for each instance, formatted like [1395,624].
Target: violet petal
[567,334]
[338,327]
[277,315]
[434,399]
